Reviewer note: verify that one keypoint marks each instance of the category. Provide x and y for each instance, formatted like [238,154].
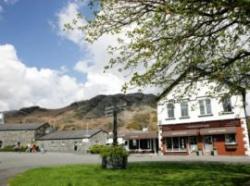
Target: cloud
[92,65]
[23,86]
[66,16]
[10,2]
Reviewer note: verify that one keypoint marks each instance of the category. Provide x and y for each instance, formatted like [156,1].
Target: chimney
[1,118]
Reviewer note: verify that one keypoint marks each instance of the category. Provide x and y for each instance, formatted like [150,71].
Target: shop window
[230,139]
[134,142]
[184,109]
[176,144]
[205,107]
[226,102]
[169,143]
[170,110]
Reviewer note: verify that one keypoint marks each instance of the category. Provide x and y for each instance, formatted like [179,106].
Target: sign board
[85,140]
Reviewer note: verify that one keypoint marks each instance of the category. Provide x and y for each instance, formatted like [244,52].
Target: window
[170,109]
[226,102]
[134,142]
[230,139]
[205,107]
[176,144]
[184,109]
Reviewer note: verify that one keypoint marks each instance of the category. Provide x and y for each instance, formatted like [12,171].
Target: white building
[200,120]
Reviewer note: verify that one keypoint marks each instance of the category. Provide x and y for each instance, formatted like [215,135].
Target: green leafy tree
[165,39]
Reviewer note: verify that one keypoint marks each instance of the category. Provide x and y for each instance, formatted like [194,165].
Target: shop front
[141,142]
[208,138]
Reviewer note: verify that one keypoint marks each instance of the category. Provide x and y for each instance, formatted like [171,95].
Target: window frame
[230,143]
[173,111]
[187,109]
[229,103]
[206,104]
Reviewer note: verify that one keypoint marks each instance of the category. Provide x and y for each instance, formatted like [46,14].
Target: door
[208,144]
[193,143]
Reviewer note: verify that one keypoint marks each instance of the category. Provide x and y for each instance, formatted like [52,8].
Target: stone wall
[68,145]
[12,137]
[25,137]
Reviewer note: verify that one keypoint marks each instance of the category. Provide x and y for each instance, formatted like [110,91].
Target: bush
[8,148]
[96,149]
[11,148]
[114,151]
[114,157]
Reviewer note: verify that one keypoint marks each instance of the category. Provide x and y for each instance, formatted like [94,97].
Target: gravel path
[14,163]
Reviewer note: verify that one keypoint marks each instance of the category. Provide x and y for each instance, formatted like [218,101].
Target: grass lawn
[137,174]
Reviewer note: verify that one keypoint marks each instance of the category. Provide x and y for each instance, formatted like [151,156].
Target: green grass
[137,174]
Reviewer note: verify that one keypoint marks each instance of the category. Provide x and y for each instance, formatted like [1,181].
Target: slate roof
[21,126]
[75,134]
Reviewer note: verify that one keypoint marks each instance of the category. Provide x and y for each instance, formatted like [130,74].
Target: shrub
[114,151]
[114,157]
[11,148]
[96,149]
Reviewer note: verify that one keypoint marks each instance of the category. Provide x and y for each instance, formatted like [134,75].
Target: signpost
[113,111]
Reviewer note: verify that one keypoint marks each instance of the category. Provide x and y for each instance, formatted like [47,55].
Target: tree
[166,38]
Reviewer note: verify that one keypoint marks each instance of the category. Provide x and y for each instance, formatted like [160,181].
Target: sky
[42,64]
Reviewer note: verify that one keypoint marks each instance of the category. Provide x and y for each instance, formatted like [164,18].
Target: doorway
[208,144]
[193,144]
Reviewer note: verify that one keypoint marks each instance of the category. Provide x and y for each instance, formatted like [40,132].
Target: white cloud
[23,86]
[66,16]
[92,66]
[11,2]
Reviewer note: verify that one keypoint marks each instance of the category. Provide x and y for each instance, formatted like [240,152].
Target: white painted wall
[200,90]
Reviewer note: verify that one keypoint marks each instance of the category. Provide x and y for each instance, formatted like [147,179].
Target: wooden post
[115,127]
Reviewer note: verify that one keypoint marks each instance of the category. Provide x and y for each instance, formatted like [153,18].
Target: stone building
[72,141]
[11,134]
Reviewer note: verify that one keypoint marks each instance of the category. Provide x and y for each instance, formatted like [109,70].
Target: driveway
[14,163]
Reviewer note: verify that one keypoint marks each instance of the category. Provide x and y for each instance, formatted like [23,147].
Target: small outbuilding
[23,134]
[141,142]
[72,141]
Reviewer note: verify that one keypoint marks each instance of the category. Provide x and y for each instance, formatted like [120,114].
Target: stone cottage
[72,141]
[11,134]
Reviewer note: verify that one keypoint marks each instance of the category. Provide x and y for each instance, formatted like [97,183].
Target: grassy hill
[140,112]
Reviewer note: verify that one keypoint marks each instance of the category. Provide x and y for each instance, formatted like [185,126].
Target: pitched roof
[21,126]
[75,134]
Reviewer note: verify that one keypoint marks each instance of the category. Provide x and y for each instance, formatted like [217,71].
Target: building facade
[137,141]
[202,122]
[72,141]
[141,142]
[23,134]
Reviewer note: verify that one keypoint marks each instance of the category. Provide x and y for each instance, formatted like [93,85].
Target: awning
[141,135]
[225,130]
[194,132]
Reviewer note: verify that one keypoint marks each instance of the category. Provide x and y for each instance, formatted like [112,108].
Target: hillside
[140,112]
